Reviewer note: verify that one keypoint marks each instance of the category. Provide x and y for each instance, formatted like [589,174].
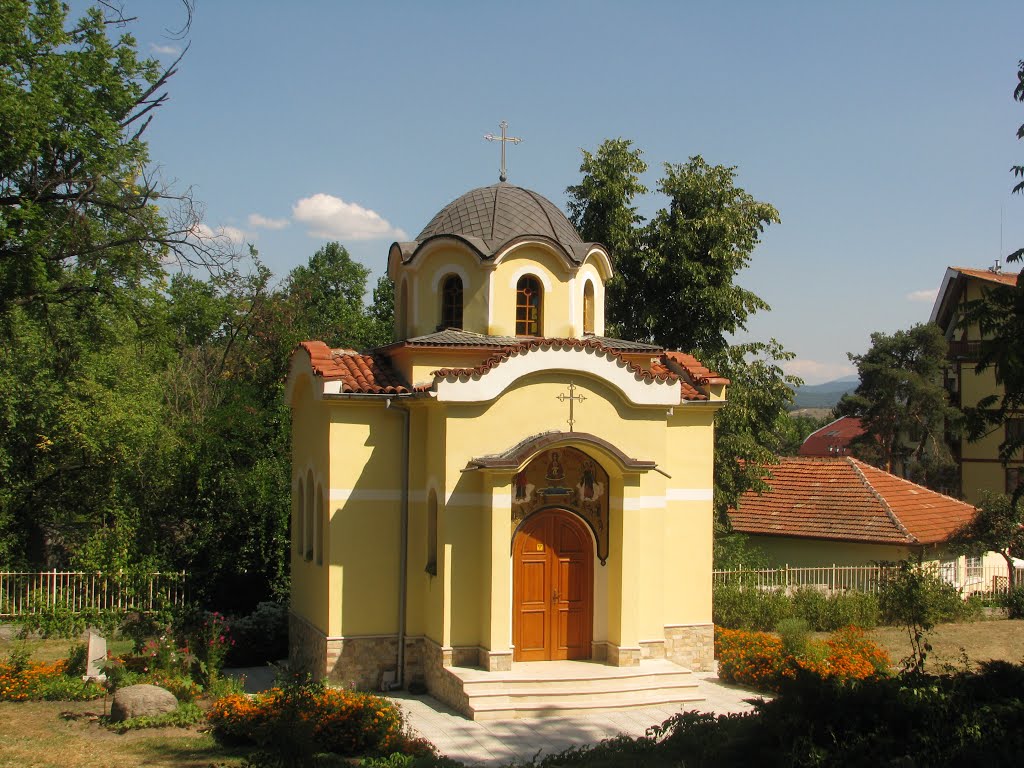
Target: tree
[998,527]
[79,212]
[903,406]
[999,315]
[683,264]
[601,208]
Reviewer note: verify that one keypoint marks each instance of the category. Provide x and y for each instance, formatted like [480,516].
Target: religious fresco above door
[566,478]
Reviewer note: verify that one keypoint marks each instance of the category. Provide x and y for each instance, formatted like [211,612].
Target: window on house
[451,302]
[307,525]
[529,306]
[432,534]
[1014,429]
[974,567]
[588,307]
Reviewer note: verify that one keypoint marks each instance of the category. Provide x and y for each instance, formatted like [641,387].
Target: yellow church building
[504,488]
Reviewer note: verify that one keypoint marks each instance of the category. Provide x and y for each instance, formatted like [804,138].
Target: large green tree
[79,213]
[998,527]
[675,285]
[903,407]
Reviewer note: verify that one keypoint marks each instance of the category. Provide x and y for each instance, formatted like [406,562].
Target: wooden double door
[552,588]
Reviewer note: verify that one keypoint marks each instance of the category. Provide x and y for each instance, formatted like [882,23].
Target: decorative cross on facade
[504,140]
[571,397]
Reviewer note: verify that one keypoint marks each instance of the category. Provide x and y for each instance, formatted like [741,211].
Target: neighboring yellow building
[504,483]
[980,466]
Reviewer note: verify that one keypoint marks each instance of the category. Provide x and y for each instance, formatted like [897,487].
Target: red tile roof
[1003,278]
[361,374]
[833,439]
[694,369]
[843,499]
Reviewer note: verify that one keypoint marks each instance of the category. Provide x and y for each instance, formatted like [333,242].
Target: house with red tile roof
[841,511]
[833,439]
[980,467]
[504,483]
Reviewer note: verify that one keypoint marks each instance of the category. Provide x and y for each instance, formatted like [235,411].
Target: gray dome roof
[501,213]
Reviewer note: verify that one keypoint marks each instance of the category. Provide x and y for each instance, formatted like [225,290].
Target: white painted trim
[534,270]
[449,269]
[478,499]
[684,626]
[643,502]
[586,361]
[690,494]
[374,494]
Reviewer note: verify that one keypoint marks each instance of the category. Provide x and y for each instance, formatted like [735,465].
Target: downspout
[403,546]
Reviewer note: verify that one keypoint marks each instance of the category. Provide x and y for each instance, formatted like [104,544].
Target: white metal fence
[867,578]
[28,592]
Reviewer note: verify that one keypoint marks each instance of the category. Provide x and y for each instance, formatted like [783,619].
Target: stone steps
[544,689]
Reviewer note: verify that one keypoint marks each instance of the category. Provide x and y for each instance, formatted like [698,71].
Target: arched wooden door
[552,588]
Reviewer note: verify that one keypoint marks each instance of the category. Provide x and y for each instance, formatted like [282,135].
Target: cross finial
[571,397]
[504,140]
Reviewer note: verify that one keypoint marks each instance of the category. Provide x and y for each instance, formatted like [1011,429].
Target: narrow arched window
[451,302]
[298,517]
[432,534]
[307,525]
[319,534]
[588,307]
[529,306]
[402,313]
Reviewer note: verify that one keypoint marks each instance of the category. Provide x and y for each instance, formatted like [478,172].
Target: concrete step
[565,688]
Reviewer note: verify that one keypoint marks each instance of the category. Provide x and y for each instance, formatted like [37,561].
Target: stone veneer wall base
[691,646]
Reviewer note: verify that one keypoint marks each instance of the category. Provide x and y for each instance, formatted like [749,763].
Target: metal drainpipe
[403,547]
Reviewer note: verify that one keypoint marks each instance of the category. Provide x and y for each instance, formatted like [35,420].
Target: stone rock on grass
[141,701]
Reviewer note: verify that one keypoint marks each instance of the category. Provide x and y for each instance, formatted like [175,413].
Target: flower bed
[758,660]
[340,721]
[34,681]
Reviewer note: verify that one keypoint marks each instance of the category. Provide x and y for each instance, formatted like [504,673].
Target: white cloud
[265,222]
[232,234]
[814,372]
[926,296]
[331,217]
[166,50]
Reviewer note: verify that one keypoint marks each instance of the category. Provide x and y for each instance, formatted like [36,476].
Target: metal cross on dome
[571,397]
[504,140]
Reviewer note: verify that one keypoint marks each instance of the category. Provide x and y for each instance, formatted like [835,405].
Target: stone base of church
[350,662]
[691,646]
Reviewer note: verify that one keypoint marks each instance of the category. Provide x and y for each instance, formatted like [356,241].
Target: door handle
[554,596]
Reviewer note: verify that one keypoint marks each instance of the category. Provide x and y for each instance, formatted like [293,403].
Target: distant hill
[824,395]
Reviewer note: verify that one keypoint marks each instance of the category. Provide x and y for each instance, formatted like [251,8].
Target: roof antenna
[503,139]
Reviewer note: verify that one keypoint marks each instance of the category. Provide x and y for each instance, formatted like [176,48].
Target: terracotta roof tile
[846,500]
[358,373]
[833,439]
[694,369]
[1003,278]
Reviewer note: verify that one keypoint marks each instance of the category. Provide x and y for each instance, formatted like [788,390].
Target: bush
[750,608]
[1013,602]
[187,714]
[261,637]
[829,612]
[297,718]
[763,661]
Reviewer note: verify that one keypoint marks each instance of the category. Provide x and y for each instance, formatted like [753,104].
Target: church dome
[501,213]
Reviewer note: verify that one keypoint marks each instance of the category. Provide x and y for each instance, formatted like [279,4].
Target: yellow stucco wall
[810,553]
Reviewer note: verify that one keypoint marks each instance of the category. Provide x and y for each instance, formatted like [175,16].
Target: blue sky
[883,132]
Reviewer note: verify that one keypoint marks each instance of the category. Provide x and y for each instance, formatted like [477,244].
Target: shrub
[296,718]
[1013,602]
[750,608]
[212,643]
[763,661]
[261,637]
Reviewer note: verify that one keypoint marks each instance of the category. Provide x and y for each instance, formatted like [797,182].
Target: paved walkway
[500,742]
